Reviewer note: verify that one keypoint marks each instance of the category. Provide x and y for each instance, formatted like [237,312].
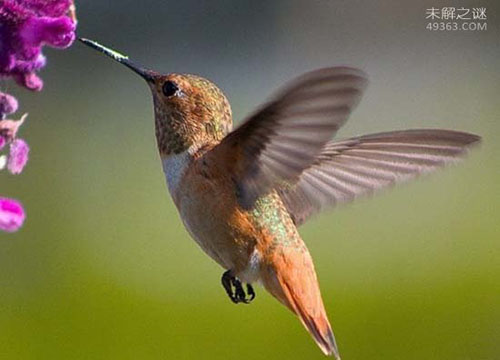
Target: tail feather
[318,325]
[292,280]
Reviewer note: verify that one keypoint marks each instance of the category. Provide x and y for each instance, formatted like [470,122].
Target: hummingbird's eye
[169,88]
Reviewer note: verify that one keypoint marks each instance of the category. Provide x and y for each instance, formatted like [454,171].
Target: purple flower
[11,215]
[8,105]
[18,156]
[27,25]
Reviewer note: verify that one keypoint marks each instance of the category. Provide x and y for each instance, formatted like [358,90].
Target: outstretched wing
[347,169]
[285,136]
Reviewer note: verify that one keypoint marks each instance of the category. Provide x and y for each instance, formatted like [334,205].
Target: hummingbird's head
[190,111]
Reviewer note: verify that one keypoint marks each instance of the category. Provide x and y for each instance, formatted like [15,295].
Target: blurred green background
[103,268]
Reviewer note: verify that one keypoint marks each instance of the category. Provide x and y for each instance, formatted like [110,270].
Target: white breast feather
[174,167]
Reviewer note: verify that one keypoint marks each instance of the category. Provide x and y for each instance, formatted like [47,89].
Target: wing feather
[359,166]
[278,142]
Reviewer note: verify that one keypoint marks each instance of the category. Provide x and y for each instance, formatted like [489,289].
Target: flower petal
[8,104]
[57,32]
[30,81]
[52,8]
[12,215]
[18,156]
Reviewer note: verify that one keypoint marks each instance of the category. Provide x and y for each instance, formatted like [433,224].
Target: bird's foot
[238,295]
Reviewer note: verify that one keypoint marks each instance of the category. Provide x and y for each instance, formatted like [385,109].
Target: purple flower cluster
[25,27]
[11,211]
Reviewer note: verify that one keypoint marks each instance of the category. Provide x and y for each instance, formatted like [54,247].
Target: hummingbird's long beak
[122,59]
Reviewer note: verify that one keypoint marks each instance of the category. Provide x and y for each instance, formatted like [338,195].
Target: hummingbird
[243,193]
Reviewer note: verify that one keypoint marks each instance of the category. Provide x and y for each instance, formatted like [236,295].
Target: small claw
[250,292]
[238,291]
[226,281]
[238,296]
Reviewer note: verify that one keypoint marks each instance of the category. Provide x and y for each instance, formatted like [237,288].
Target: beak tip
[122,59]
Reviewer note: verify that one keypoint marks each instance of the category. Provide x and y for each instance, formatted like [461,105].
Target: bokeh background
[103,268]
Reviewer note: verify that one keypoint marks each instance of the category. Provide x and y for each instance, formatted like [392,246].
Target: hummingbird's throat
[173,136]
